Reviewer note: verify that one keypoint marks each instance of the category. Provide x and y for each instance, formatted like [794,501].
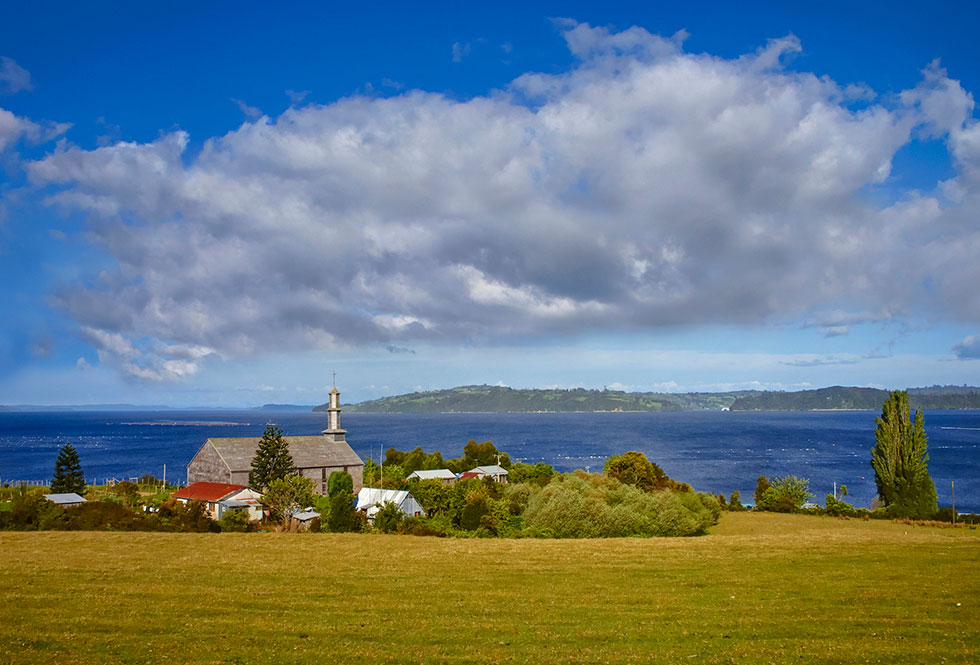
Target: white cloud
[151,362]
[252,111]
[13,77]
[460,51]
[645,187]
[14,128]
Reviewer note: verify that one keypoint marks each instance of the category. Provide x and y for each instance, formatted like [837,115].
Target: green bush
[596,506]
[837,508]
[388,517]
[785,495]
[342,516]
[235,520]
[339,481]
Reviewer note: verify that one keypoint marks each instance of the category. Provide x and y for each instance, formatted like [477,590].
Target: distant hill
[843,397]
[497,399]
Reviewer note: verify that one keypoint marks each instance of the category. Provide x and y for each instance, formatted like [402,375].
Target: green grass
[760,589]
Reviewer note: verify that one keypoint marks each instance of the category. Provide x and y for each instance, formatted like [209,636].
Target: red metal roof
[202,491]
[471,474]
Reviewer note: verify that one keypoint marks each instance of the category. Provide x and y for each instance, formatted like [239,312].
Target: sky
[224,205]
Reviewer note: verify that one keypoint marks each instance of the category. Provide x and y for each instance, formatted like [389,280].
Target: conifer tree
[899,459]
[68,476]
[272,460]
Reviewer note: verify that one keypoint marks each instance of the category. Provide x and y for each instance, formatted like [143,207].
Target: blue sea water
[713,451]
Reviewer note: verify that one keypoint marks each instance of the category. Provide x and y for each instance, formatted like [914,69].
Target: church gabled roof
[307,452]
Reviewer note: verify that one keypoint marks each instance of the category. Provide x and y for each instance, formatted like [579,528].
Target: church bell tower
[333,431]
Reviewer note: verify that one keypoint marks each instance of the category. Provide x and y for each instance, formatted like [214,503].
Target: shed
[445,475]
[370,499]
[66,500]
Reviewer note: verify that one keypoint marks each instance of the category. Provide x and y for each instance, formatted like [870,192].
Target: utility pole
[952,488]
[835,490]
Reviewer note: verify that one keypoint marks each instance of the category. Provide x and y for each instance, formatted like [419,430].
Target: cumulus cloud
[968,348]
[13,77]
[14,128]
[152,361]
[644,187]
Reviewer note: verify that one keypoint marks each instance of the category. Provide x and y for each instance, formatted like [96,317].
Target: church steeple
[333,431]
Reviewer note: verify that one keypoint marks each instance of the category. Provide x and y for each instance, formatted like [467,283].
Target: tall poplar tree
[899,459]
[68,476]
[272,460]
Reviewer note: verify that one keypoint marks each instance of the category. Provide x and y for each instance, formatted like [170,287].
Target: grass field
[761,588]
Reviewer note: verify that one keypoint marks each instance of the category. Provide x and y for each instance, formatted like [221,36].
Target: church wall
[207,466]
[321,475]
[357,473]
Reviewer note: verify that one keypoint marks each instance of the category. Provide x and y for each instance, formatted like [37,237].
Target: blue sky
[222,206]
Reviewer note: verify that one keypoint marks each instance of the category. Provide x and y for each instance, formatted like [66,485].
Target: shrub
[837,508]
[342,516]
[235,520]
[388,517]
[340,481]
[761,485]
[602,507]
[285,495]
[424,526]
[473,512]
[785,495]
[128,493]
[633,468]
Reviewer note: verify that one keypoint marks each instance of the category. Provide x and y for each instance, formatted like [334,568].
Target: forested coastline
[501,399]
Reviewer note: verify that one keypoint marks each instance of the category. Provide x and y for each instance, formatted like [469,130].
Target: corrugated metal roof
[67,497]
[308,452]
[436,474]
[369,498]
[205,491]
[491,470]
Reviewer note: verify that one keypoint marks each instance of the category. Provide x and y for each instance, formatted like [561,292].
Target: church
[229,460]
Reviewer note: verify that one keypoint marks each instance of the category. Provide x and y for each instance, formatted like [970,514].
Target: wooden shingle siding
[207,466]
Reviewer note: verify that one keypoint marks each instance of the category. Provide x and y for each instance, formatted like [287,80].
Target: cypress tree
[272,460]
[68,476]
[899,459]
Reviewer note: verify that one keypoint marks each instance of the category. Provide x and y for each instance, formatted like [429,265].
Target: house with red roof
[221,497]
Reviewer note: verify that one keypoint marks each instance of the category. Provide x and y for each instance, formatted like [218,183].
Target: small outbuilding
[370,500]
[301,520]
[66,500]
[446,476]
[494,471]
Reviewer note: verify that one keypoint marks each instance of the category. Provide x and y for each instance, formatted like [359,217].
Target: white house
[498,473]
[445,475]
[221,497]
[370,500]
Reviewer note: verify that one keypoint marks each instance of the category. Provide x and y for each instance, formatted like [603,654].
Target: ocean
[715,452]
